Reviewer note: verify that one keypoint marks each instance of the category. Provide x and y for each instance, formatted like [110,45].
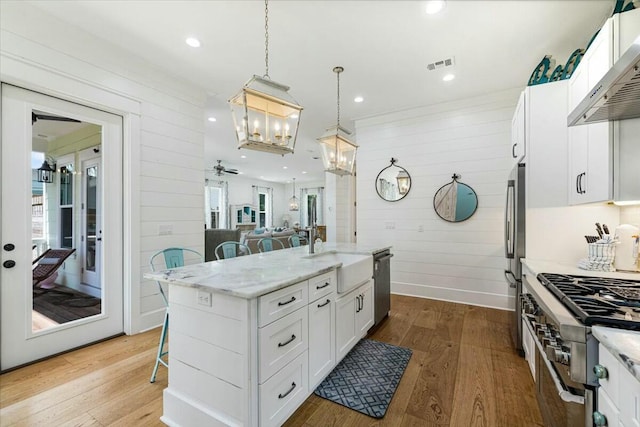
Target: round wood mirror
[393,182]
[455,201]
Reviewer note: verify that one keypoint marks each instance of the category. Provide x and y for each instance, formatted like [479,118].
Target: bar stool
[231,249]
[296,240]
[269,244]
[173,257]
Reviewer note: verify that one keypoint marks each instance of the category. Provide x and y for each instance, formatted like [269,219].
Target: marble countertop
[623,344]
[258,274]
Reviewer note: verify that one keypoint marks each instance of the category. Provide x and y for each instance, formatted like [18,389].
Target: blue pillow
[258,231]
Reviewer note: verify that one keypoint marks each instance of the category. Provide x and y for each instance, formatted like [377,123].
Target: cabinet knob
[600,371]
[599,419]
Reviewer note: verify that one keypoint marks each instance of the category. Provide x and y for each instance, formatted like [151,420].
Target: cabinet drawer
[607,408]
[629,403]
[284,392]
[277,304]
[322,285]
[281,341]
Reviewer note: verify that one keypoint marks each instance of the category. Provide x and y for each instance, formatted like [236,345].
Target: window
[66,204]
[216,204]
[263,199]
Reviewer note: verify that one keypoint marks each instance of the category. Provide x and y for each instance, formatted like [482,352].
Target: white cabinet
[546,136]
[595,154]
[322,342]
[243,215]
[354,317]
[518,130]
[618,394]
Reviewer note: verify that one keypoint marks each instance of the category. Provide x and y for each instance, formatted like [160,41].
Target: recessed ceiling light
[193,42]
[284,167]
[243,157]
[434,6]
[358,99]
[212,119]
[448,77]
[304,172]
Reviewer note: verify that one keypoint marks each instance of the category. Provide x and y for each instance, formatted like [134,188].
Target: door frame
[39,77]
[22,344]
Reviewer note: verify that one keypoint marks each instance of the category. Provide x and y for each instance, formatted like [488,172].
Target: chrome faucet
[313,232]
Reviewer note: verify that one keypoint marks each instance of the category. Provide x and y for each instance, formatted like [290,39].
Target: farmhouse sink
[355,270]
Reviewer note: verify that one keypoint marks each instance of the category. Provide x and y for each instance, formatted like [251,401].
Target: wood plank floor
[463,372]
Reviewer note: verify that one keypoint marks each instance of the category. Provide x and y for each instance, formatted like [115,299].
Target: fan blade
[231,171]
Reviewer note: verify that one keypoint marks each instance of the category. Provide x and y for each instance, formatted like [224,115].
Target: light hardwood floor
[463,372]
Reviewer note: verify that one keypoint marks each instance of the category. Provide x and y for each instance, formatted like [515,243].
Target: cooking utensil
[605,228]
[591,239]
[599,229]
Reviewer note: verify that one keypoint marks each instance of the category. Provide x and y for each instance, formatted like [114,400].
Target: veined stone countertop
[258,274]
[623,344]
[538,267]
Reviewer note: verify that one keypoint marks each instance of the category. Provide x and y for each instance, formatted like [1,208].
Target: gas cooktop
[597,300]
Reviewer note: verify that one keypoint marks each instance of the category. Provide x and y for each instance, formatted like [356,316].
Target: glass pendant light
[403,182]
[293,201]
[338,152]
[265,116]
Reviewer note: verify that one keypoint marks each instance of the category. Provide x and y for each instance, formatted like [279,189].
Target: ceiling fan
[37,116]
[219,169]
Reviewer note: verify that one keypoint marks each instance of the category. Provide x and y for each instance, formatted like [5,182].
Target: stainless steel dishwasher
[381,285]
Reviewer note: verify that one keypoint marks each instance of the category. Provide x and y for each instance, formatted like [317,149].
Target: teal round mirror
[455,201]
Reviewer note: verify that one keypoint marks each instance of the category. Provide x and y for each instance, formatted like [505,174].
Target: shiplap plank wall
[166,149]
[461,262]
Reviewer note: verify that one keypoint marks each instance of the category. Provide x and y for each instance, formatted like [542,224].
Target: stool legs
[161,352]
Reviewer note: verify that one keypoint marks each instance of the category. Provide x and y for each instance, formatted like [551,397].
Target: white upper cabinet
[596,152]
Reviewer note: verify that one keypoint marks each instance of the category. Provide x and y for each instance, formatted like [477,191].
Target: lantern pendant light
[45,172]
[265,116]
[293,201]
[338,151]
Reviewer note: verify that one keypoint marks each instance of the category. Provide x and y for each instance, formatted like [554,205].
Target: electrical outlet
[165,230]
[204,298]
[390,225]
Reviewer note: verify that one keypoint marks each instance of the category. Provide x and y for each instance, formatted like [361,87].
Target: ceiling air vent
[448,62]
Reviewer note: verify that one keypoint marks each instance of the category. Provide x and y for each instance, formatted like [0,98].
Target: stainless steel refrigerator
[514,246]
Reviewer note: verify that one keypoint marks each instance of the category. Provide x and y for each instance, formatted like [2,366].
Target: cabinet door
[600,54]
[345,324]
[322,338]
[590,163]
[578,85]
[518,130]
[364,311]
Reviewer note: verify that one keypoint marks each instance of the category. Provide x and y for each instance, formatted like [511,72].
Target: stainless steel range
[558,312]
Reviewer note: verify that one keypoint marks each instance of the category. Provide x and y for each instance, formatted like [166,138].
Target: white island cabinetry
[354,317]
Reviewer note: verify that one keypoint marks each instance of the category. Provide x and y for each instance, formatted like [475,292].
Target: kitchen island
[251,337]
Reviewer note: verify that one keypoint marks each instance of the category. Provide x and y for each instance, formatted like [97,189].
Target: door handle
[513,150]
[9,263]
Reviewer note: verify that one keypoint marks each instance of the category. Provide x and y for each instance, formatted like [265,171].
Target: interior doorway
[62,284]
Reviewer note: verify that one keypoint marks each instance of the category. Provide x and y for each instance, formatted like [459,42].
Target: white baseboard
[150,320]
[483,299]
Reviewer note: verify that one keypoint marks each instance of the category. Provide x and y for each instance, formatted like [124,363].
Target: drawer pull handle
[323,304]
[282,396]
[287,302]
[323,286]
[282,344]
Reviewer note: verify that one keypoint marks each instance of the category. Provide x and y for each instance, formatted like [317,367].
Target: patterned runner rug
[366,379]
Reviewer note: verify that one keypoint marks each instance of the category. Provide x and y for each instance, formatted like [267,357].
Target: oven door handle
[564,394]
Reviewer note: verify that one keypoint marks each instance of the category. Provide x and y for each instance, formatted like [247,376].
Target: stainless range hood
[616,96]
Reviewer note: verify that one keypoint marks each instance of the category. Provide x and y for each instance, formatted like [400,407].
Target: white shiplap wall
[163,135]
[461,262]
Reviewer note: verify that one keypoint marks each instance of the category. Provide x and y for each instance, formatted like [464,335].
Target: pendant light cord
[338,73]
[266,38]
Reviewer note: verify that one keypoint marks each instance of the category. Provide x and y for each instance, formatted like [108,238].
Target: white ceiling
[384,46]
